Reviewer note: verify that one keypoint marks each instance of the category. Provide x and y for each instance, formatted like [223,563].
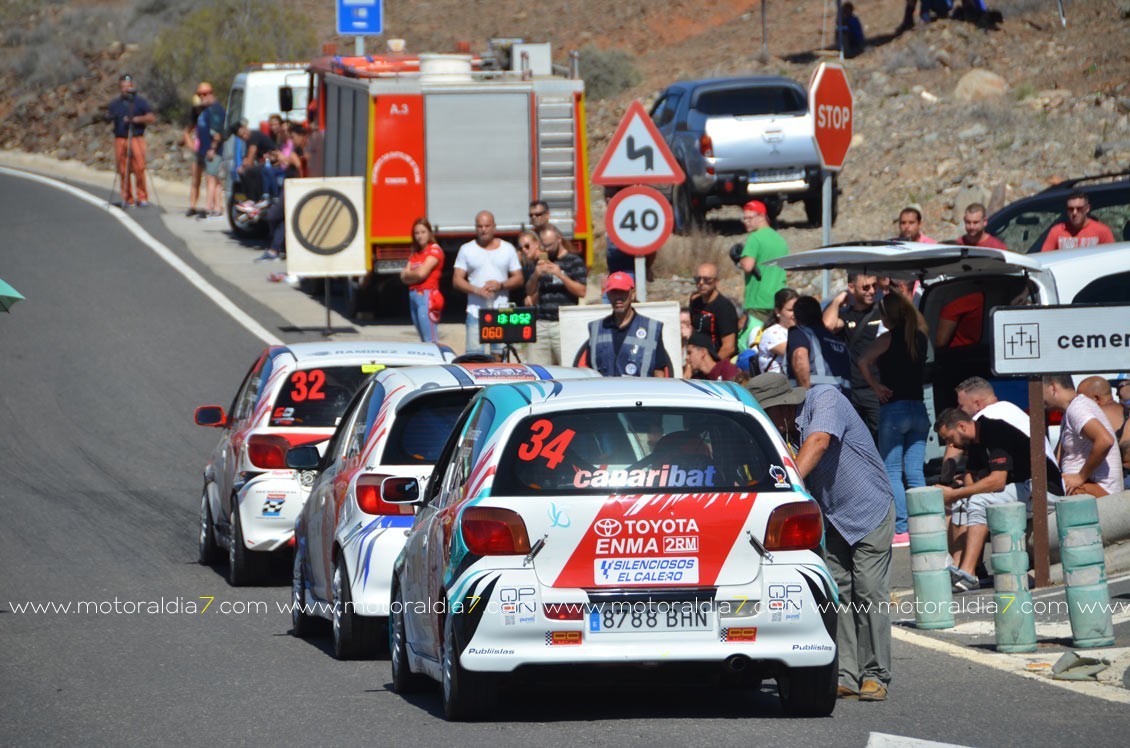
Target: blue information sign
[360,17]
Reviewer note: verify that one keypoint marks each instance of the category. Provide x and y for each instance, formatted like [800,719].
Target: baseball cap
[619,281]
[756,206]
[774,389]
[702,340]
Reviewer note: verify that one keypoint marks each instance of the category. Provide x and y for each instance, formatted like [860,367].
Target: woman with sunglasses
[903,424]
[421,275]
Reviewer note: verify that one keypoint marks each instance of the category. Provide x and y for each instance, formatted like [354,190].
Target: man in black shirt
[999,470]
[713,314]
[853,315]
[556,281]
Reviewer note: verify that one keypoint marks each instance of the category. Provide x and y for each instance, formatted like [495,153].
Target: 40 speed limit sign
[638,220]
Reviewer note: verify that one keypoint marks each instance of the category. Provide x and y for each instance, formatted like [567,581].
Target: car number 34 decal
[544,443]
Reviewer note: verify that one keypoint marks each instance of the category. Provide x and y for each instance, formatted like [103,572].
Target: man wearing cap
[624,344]
[130,114]
[703,361]
[843,471]
[209,136]
[762,282]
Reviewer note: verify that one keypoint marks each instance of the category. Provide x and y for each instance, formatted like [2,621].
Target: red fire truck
[446,136]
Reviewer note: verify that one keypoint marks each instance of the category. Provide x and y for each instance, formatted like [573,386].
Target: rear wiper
[759,547]
[535,550]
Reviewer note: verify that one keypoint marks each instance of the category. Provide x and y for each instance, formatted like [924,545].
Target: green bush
[607,72]
[216,41]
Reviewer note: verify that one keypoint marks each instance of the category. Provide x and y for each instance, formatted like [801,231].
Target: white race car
[633,522]
[292,395]
[346,537]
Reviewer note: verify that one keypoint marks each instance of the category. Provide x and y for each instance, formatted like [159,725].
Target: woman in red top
[425,265]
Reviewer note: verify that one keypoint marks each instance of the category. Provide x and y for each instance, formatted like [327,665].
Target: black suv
[1024,224]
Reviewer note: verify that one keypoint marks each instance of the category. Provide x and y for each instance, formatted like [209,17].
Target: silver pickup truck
[739,139]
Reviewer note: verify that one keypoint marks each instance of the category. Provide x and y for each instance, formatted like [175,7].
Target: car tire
[243,229]
[354,637]
[467,696]
[814,205]
[244,566]
[687,216]
[301,622]
[208,552]
[809,691]
[403,679]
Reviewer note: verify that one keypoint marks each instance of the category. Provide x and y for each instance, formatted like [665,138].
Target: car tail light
[706,146]
[491,531]
[369,497]
[564,611]
[267,451]
[796,526]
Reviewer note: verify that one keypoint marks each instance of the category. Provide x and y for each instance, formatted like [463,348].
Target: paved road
[99,482]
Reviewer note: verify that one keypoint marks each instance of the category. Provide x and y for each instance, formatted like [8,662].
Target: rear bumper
[784,619]
[735,188]
[268,506]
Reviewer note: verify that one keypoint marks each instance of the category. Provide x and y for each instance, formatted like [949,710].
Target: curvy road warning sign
[323,227]
[637,154]
[830,101]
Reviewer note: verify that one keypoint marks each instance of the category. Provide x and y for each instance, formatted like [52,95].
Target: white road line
[1011,664]
[883,740]
[166,254]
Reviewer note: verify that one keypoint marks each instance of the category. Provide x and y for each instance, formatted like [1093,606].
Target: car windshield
[750,102]
[422,426]
[316,397]
[1023,229]
[644,450]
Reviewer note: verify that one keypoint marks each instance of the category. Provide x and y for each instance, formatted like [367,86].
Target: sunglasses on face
[538,215]
[704,279]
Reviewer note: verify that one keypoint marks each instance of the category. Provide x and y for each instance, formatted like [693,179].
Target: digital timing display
[508,325]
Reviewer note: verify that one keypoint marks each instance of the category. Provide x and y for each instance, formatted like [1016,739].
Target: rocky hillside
[945,113]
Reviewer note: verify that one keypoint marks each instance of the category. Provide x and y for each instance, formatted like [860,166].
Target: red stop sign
[829,100]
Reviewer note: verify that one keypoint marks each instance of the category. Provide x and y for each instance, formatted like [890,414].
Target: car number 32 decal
[307,385]
[544,443]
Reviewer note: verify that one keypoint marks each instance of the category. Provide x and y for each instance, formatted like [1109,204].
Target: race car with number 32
[291,395]
[630,522]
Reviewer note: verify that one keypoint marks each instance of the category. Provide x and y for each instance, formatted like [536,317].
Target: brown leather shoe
[845,692]
[873,690]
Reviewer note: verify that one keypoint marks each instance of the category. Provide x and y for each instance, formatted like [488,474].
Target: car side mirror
[210,415]
[303,458]
[395,490]
[286,99]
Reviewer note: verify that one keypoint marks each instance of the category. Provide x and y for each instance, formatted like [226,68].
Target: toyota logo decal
[607,527]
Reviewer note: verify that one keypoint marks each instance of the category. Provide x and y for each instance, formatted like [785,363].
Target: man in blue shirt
[843,471]
[130,114]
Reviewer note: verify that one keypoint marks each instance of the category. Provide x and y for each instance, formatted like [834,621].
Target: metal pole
[765,33]
[326,281]
[839,30]
[826,226]
[359,46]
[641,279]
[1062,15]
[1039,482]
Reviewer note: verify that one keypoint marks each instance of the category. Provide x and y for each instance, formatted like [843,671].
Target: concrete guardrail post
[929,551]
[1084,571]
[1013,617]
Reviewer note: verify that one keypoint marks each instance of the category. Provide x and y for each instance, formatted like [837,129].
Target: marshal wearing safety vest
[624,344]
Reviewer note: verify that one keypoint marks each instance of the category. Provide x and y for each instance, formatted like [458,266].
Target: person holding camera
[130,114]
[558,279]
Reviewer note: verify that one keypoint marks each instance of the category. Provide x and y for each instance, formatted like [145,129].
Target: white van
[256,93]
[1092,275]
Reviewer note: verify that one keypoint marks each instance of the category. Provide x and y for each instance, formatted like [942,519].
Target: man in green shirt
[762,281]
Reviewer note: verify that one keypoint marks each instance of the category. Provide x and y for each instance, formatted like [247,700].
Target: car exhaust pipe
[737,663]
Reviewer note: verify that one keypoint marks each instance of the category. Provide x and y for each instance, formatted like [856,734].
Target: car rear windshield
[751,102]
[316,397]
[422,426]
[639,451]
